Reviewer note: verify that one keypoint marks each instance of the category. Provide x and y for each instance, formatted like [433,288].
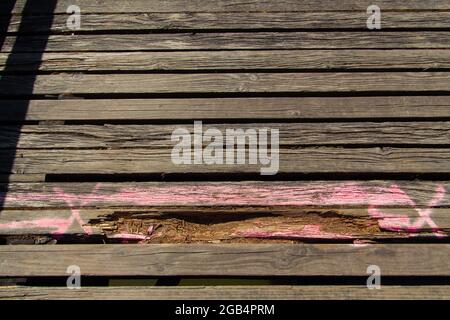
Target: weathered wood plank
[60,222]
[231,224]
[319,194]
[229,260]
[111,6]
[230,21]
[302,160]
[423,107]
[232,40]
[159,136]
[58,84]
[229,60]
[274,292]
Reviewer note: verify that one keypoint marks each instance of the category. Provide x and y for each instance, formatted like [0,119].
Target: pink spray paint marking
[395,222]
[333,194]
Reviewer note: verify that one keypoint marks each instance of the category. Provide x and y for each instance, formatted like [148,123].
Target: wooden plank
[315,194]
[226,260]
[403,107]
[159,136]
[274,292]
[229,41]
[230,21]
[324,210]
[79,84]
[111,6]
[58,223]
[229,60]
[231,224]
[302,160]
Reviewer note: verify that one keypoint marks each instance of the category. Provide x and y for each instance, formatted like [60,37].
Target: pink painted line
[333,194]
[231,194]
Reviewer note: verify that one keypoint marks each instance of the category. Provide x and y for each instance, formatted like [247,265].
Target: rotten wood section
[229,41]
[199,21]
[144,6]
[273,292]
[229,212]
[300,108]
[422,59]
[229,83]
[159,136]
[226,260]
[226,225]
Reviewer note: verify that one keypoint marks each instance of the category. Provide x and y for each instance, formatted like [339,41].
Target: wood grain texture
[302,160]
[159,136]
[275,292]
[387,107]
[226,260]
[78,84]
[312,194]
[230,60]
[229,41]
[230,21]
[229,224]
[109,6]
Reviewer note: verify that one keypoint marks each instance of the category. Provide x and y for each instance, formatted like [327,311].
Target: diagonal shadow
[36,49]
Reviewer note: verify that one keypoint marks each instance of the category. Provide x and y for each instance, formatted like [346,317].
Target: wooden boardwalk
[87,176]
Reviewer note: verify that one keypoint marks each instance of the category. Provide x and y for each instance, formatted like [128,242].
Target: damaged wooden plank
[184,224]
[206,212]
[229,41]
[306,108]
[273,292]
[422,59]
[159,136]
[231,83]
[111,6]
[226,260]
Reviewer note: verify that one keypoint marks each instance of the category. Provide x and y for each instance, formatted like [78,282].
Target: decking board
[301,160]
[301,60]
[159,136]
[273,292]
[230,21]
[229,41]
[298,109]
[109,6]
[231,83]
[226,260]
